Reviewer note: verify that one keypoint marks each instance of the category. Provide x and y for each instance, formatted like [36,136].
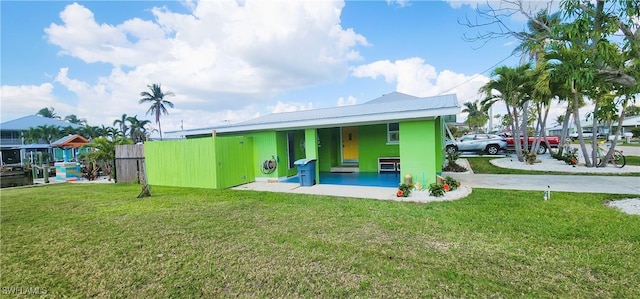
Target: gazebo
[69,169]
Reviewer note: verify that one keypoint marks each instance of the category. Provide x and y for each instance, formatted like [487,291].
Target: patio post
[311,148]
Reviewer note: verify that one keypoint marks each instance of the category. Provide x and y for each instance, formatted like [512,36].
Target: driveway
[629,150]
[566,183]
[615,184]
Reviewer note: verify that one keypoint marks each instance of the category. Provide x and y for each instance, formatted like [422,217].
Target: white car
[625,136]
[585,135]
[489,143]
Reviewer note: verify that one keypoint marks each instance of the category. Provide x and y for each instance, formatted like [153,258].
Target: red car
[554,141]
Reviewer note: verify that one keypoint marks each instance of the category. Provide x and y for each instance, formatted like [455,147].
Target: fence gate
[129,162]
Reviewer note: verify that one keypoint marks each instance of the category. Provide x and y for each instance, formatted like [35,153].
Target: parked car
[554,141]
[585,135]
[626,137]
[489,143]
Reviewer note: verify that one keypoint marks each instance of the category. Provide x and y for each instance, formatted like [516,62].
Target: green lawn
[98,240]
[482,165]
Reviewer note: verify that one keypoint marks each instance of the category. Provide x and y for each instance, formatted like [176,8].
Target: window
[393,133]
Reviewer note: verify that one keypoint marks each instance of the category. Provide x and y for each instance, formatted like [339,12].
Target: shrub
[451,163]
[636,132]
[529,157]
[570,156]
[453,183]
[436,190]
[557,155]
[404,190]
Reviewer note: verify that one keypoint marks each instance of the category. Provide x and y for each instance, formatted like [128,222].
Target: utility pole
[182,127]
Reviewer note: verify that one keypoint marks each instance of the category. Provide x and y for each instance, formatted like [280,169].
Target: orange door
[350,144]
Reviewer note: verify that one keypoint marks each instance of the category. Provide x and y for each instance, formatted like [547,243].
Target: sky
[229,61]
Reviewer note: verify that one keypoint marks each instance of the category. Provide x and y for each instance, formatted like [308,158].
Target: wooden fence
[129,163]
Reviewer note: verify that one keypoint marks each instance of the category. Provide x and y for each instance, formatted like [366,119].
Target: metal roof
[34,146]
[387,108]
[632,121]
[70,141]
[32,121]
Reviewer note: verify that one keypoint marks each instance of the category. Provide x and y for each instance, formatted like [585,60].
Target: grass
[98,240]
[481,165]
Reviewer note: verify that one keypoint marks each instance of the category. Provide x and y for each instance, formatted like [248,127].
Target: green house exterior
[403,128]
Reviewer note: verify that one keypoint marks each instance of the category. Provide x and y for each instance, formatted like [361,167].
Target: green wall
[372,143]
[439,142]
[219,162]
[265,146]
[329,149]
[418,151]
[234,161]
[268,144]
[176,163]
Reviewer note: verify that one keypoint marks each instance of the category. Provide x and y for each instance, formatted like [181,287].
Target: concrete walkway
[613,184]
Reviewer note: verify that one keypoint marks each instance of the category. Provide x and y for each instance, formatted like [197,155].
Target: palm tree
[103,151]
[72,118]
[50,133]
[122,123]
[477,117]
[534,46]
[69,130]
[156,98]
[138,130]
[48,113]
[89,132]
[632,110]
[571,63]
[509,86]
[33,135]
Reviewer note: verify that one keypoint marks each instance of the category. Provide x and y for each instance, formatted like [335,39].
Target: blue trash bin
[306,171]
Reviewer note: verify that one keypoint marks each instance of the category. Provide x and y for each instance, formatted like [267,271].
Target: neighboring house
[377,136]
[557,131]
[12,147]
[628,124]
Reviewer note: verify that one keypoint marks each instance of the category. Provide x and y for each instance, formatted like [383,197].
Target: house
[628,124]
[374,137]
[13,149]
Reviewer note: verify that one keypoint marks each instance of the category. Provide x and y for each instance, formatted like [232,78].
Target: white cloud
[413,76]
[508,9]
[350,100]
[19,101]
[401,3]
[222,57]
[290,107]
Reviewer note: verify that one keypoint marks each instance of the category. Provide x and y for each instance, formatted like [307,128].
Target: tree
[156,98]
[72,118]
[49,133]
[121,123]
[598,45]
[48,113]
[508,86]
[559,119]
[138,130]
[32,135]
[632,110]
[103,151]
[477,117]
